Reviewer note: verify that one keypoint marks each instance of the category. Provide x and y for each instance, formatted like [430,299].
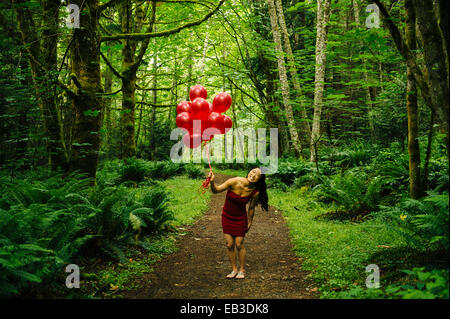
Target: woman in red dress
[236,222]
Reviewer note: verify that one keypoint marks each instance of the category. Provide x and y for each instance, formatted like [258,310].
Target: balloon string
[205,183]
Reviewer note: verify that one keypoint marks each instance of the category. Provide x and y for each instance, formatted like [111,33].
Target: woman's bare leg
[239,242]
[230,240]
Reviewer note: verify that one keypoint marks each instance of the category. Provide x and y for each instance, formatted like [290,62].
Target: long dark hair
[261,186]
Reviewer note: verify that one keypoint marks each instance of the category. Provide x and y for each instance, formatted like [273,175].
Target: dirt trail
[199,267]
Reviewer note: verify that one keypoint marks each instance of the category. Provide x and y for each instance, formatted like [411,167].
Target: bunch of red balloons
[209,114]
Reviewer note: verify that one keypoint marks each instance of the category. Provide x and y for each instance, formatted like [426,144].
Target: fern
[353,192]
[423,222]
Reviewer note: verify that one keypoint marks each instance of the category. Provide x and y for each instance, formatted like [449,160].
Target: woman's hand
[210,176]
[249,224]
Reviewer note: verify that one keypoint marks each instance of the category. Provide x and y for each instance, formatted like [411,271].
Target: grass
[336,253]
[187,202]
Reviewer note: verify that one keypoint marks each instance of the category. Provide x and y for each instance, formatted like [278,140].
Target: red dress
[234,214]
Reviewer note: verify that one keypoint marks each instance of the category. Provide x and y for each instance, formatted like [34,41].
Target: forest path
[198,268]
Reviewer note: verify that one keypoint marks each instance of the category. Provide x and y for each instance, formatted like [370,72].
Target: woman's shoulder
[233,181]
[236,180]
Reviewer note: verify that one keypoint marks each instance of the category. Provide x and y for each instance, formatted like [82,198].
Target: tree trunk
[306,129]
[283,79]
[424,183]
[106,109]
[411,105]
[153,114]
[127,119]
[323,17]
[436,59]
[431,75]
[42,54]
[366,78]
[85,65]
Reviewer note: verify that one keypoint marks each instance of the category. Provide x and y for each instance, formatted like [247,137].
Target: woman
[235,222]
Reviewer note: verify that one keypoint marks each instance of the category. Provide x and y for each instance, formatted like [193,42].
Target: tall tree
[41,46]
[283,78]
[369,101]
[323,17]
[88,90]
[411,105]
[430,70]
[306,129]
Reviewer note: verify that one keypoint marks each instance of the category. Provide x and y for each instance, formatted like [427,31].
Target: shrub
[422,222]
[432,284]
[40,227]
[45,223]
[134,169]
[353,192]
[165,169]
[195,172]
[358,154]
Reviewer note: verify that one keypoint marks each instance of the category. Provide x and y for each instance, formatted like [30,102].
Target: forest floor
[199,266]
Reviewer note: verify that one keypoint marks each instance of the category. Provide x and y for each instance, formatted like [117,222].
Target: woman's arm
[217,189]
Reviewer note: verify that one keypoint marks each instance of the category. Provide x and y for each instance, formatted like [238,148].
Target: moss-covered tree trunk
[130,63]
[435,49]
[42,53]
[430,69]
[412,108]
[85,66]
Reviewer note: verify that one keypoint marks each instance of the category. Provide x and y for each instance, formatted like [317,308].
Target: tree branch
[106,5]
[116,73]
[142,36]
[155,105]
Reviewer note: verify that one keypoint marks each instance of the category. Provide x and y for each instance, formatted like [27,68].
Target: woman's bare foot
[240,275]
[232,274]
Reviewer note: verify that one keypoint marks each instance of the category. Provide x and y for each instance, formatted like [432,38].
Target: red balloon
[197,91]
[198,126]
[227,123]
[183,106]
[214,120]
[199,109]
[221,102]
[184,120]
[192,140]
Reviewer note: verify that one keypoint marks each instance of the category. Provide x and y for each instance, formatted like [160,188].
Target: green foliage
[45,223]
[353,192]
[335,253]
[423,222]
[393,166]
[165,169]
[22,264]
[297,173]
[42,226]
[358,154]
[423,284]
[134,169]
[195,172]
